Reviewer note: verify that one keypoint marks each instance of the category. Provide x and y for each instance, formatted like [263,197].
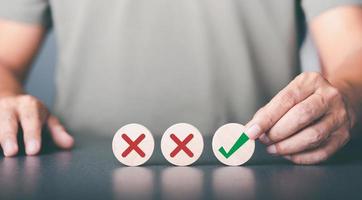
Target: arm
[310,119]
[341,52]
[18,45]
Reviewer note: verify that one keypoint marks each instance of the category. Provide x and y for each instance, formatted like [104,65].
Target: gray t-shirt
[160,62]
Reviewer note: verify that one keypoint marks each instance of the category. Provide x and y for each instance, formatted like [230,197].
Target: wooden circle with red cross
[182,144]
[133,144]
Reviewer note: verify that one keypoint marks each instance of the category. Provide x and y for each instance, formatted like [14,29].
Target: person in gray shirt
[206,62]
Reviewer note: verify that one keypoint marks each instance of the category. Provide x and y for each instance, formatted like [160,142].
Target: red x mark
[181,145]
[133,145]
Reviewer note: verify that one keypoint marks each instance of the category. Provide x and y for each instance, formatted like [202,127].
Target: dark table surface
[90,171]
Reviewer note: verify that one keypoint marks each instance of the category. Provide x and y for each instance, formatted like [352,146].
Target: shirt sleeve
[27,11]
[313,8]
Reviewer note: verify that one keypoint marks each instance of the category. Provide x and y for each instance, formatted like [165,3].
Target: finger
[8,132]
[298,90]
[309,138]
[32,115]
[265,139]
[337,140]
[60,137]
[298,117]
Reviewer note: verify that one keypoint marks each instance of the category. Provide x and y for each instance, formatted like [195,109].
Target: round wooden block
[133,144]
[182,144]
[231,145]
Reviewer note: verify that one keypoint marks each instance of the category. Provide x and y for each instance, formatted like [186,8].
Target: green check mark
[241,140]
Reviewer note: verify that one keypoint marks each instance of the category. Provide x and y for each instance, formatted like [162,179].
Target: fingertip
[253,132]
[289,158]
[10,148]
[32,147]
[64,140]
[272,149]
[60,136]
[11,152]
[264,139]
[68,141]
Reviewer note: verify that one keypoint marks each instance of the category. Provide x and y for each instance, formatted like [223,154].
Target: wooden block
[182,144]
[133,144]
[231,145]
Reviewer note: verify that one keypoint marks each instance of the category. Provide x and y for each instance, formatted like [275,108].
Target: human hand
[31,114]
[306,122]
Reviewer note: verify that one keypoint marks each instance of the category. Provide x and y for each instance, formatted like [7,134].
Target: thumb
[257,126]
[58,133]
[253,130]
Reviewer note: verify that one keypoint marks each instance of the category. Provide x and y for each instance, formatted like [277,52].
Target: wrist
[351,98]
[10,85]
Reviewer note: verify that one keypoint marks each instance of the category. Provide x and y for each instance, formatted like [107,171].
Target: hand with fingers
[306,122]
[30,114]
